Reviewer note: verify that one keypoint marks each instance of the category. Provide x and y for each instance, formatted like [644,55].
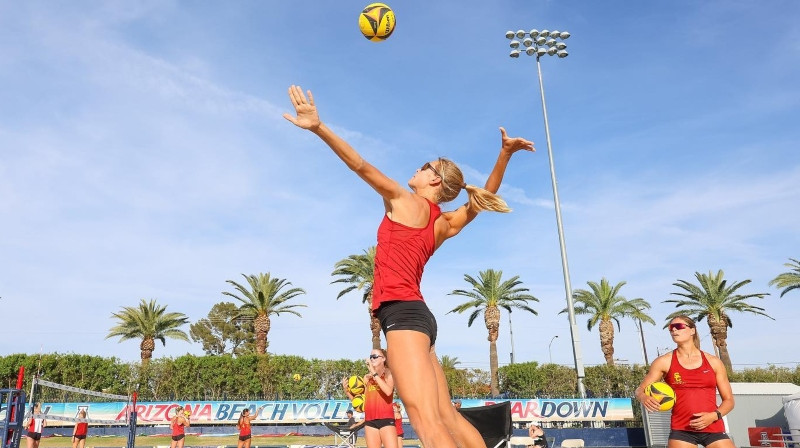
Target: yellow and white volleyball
[355,385]
[358,403]
[376,22]
[663,394]
[296,377]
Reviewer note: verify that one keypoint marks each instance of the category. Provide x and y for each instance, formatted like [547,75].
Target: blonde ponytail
[480,200]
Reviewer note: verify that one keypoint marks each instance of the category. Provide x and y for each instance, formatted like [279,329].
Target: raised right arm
[307,118]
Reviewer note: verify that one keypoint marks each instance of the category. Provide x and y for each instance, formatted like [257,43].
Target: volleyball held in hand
[355,385]
[663,394]
[376,22]
[358,403]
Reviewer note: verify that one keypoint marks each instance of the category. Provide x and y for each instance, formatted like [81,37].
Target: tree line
[283,377]
[243,328]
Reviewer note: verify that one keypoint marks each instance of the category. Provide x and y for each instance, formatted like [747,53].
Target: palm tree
[788,280]
[358,272]
[262,298]
[603,304]
[714,299]
[449,362]
[148,322]
[487,296]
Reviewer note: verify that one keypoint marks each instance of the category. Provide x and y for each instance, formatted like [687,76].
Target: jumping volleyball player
[412,229]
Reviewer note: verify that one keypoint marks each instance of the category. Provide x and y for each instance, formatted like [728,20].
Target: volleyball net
[81,402]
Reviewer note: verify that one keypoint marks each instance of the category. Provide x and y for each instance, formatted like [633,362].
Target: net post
[12,423]
[132,425]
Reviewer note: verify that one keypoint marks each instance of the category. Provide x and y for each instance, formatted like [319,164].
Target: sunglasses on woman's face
[375,356]
[428,166]
[677,326]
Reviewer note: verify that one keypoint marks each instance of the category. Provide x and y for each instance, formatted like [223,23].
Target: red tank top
[177,429]
[81,429]
[377,405]
[695,391]
[36,425]
[400,259]
[244,427]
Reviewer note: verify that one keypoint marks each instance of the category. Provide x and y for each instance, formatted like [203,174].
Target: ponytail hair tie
[463,185]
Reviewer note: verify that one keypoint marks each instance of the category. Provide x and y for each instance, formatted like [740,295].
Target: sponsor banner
[570,409]
[321,411]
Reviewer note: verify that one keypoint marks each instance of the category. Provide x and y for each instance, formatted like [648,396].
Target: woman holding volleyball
[178,424]
[412,228]
[695,376]
[379,426]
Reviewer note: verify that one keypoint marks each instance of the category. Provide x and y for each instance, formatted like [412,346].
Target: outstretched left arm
[460,217]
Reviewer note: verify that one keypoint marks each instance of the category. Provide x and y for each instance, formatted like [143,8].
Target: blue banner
[321,411]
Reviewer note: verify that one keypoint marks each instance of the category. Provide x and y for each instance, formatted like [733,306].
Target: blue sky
[143,155]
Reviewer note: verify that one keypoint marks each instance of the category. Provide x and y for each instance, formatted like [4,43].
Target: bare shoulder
[662,363]
[715,362]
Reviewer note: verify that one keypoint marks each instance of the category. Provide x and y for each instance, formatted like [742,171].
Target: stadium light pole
[539,43]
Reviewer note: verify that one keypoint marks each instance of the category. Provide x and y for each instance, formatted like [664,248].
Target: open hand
[513,144]
[307,116]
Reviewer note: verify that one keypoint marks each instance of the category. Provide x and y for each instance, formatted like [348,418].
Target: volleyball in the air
[355,385]
[376,22]
[663,394]
[296,377]
[358,403]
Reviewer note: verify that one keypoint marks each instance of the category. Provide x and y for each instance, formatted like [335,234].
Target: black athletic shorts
[379,423]
[698,438]
[243,438]
[35,435]
[178,437]
[407,315]
[79,437]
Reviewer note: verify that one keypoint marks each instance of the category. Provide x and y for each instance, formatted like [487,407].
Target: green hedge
[272,377]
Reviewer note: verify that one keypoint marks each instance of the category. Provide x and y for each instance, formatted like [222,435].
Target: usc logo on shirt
[676,378]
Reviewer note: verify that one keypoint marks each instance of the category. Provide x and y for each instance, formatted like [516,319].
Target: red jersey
[377,405]
[244,427]
[36,425]
[398,426]
[695,391]
[400,259]
[81,429]
[177,428]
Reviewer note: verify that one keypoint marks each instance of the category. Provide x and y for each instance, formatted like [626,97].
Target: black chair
[344,436]
[492,421]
